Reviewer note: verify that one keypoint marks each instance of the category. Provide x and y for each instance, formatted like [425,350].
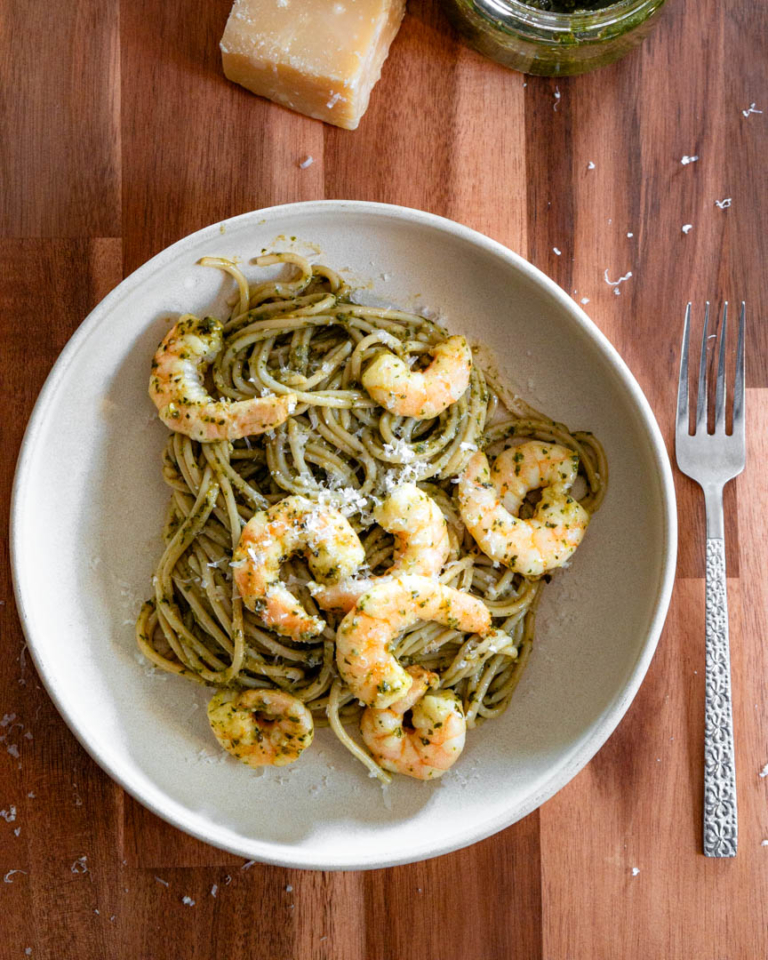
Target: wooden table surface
[120,136]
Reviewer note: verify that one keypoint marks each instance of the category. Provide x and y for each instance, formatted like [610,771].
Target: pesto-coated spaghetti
[307,341]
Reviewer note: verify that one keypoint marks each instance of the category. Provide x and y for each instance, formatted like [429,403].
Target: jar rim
[602,17]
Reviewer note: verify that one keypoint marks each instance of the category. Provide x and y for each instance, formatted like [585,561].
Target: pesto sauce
[568,6]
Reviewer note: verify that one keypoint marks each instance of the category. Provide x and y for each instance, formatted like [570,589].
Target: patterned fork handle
[720,822]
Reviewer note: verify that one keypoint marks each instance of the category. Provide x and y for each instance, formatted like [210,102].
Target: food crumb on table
[615,283]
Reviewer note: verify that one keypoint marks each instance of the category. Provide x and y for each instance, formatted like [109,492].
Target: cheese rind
[318,57]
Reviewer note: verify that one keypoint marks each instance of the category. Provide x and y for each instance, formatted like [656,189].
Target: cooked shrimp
[176,387]
[421,394]
[489,500]
[261,727]
[295,524]
[421,544]
[389,607]
[433,740]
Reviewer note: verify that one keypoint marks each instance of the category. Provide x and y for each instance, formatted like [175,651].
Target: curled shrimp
[430,743]
[392,605]
[490,498]
[184,405]
[421,394]
[261,727]
[293,525]
[422,544]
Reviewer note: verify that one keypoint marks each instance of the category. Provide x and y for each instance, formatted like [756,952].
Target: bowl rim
[139,786]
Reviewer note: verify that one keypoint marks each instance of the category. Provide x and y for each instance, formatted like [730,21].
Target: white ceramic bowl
[88,486]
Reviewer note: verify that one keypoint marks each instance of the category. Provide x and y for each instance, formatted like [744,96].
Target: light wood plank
[60,145]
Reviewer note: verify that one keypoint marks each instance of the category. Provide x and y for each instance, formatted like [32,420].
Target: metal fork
[712,459]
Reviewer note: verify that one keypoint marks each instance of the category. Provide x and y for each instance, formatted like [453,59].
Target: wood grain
[120,136]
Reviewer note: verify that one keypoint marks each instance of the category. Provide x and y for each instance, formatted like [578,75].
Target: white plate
[88,487]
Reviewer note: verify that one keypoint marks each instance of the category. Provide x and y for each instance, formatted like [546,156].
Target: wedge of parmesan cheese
[318,57]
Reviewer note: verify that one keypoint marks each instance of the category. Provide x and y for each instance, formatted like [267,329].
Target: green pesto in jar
[554,38]
[568,6]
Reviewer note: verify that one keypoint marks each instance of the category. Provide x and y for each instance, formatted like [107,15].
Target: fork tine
[701,399]
[720,384]
[683,425]
[738,386]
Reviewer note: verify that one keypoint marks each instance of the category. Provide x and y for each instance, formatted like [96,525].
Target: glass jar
[553,44]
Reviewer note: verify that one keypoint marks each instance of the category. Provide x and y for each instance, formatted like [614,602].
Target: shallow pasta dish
[361,524]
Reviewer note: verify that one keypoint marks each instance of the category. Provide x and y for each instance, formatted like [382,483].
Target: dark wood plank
[60,147]
[145,844]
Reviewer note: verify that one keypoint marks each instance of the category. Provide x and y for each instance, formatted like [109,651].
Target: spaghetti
[306,337]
